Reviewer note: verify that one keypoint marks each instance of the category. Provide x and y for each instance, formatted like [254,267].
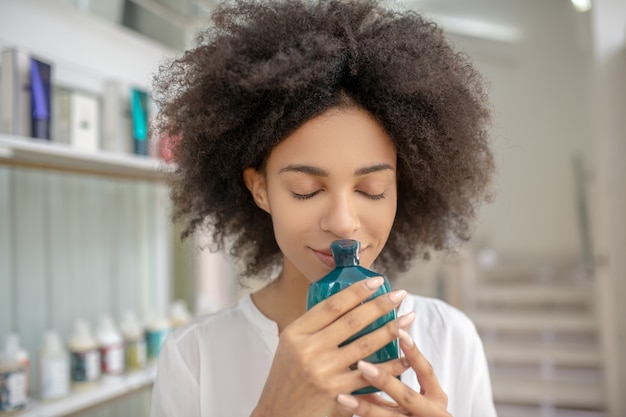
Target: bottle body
[13,376]
[13,395]
[84,357]
[111,347]
[341,278]
[157,329]
[54,372]
[134,342]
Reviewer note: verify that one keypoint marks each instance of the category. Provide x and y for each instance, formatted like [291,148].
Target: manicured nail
[405,338]
[406,320]
[348,401]
[397,296]
[374,283]
[368,369]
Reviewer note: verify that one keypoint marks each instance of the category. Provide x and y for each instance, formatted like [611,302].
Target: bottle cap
[106,324]
[12,346]
[179,312]
[131,325]
[52,341]
[345,252]
[82,332]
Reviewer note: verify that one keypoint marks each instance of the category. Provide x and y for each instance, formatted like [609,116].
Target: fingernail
[405,338]
[374,283]
[368,369]
[348,401]
[406,320]
[405,361]
[397,296]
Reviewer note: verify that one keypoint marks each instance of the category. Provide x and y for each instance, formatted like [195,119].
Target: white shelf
[103,392]
[15,150]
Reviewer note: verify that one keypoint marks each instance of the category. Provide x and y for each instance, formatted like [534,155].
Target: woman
[300,123]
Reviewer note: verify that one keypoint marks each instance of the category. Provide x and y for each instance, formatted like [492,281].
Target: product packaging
[347,271]
[111,347]
[84,357]
[13,376]
[179,315]
[54,368]
[134,342]
[157,329]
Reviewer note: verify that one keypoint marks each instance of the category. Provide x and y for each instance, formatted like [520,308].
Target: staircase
[541,339]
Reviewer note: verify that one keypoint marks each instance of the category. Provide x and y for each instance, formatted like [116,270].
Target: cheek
[378,222]
[287,218]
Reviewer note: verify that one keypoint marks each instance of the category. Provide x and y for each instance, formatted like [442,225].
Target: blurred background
[84,212]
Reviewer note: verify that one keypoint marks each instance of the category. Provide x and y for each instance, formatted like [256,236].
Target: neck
[284,299]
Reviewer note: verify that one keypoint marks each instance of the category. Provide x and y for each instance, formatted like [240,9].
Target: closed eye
[306,196]
[373,196]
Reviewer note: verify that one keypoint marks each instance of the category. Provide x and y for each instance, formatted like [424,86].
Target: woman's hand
[309,369]
[431,401]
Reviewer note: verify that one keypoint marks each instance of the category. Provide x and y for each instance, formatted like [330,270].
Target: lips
[325,257]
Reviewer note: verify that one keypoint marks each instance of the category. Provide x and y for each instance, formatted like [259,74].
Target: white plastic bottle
[111,348]
[13,377]
[134,342]
[179,315]
[54,372]
[84,357]
[157,329]
[24,358]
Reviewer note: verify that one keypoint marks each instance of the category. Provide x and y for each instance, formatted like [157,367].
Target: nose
[341,217]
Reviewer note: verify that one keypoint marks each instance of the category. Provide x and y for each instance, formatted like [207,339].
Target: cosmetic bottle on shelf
[134,342]
[84,357]
[13,377]
[111,347]
[54,368]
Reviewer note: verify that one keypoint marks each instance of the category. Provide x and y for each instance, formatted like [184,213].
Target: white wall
[538,89]
[609,191]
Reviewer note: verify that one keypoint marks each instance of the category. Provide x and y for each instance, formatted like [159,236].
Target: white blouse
[217,365]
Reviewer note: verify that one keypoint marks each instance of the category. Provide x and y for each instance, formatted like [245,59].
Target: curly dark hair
[264,68]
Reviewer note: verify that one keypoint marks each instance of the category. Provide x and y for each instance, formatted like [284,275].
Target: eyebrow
[318,172]
[373,168]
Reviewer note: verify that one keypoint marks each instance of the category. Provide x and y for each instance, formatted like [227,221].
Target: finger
[351,381]
[373,405]
[394,367]
[362,316]
[380,401]
[329,310]
[368,344]
[425,374]
[416,404]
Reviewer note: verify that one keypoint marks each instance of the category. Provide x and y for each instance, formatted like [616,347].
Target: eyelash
[374,196]
[305,196]
[313,194]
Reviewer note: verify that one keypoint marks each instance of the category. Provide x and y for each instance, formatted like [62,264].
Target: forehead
[339,138]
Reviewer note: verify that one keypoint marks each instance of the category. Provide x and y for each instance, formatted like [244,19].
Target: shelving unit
[39,153]
[103,392]
[82,233]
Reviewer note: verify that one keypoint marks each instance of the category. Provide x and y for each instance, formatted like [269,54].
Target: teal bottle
[347,271]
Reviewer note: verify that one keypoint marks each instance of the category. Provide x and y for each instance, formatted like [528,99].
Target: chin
[318,274]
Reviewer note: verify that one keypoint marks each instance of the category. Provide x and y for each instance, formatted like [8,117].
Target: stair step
[511,321]
[533,353]
[507,410]
[528,270]
[565,393]
[534,295]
